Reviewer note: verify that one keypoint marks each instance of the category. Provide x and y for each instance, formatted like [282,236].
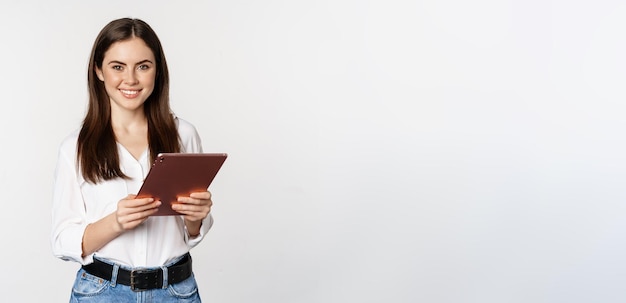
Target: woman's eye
[143,67]
[117,67]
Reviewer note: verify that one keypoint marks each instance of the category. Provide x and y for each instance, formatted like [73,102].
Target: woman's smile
[130,94]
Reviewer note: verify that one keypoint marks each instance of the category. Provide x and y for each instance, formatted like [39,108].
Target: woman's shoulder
[185,128]
[189,137]
[69,143]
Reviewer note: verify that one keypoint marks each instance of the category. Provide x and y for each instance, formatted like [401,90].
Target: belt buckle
[136,284]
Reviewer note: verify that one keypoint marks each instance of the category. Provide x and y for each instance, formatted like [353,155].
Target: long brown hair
[97,147]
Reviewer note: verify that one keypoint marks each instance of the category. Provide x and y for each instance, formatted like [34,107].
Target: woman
[126,254]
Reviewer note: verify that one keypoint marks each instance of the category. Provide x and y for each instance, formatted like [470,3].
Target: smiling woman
[128,74]
[125,252]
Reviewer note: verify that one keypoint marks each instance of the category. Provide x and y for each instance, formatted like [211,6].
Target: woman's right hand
[129,214]
[132,211]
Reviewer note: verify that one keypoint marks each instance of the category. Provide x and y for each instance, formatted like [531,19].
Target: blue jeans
[92,289]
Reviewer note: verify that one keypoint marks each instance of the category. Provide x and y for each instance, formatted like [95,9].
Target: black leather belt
[142,279]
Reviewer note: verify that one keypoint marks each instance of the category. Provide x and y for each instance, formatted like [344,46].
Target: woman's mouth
[129,93]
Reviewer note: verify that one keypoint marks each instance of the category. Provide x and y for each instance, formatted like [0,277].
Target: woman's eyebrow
[144,62]
[122,63]
[116,62]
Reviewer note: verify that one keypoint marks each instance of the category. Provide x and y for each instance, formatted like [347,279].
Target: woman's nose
[131,77]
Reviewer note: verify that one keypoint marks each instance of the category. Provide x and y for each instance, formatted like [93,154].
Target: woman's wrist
[193,228]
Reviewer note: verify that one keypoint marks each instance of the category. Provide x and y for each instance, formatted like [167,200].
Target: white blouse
[77,203]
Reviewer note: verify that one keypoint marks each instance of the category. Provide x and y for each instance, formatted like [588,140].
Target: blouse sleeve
[68,210]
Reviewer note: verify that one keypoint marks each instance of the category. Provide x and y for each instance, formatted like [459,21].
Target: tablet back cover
[176,174]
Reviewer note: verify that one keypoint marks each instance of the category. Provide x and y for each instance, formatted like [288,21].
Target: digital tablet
[176,174]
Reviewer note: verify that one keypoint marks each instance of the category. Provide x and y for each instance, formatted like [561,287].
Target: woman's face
[128,72]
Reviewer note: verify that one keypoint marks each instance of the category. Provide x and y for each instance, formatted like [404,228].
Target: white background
[380,151]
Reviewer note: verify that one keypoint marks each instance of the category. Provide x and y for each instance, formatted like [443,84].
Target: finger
[183,207]
[193,216]
[190,208]
[192,201]
[133,220]
[150,206]
[125,209]
[139,202]
[205,195]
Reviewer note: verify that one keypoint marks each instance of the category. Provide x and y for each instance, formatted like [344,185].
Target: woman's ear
[99,74]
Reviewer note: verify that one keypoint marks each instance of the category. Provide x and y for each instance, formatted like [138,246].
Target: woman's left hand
[194,208]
